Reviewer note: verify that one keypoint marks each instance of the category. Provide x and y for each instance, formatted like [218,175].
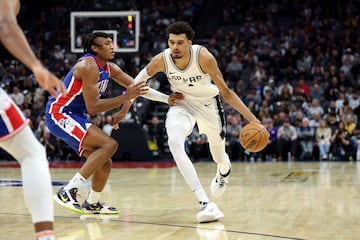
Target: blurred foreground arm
[14,40]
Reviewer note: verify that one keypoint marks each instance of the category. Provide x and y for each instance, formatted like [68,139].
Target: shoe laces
[221,180]
[74,193]
[96,206]
[203,205]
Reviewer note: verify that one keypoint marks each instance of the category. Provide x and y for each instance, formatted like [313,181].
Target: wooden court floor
[267,201]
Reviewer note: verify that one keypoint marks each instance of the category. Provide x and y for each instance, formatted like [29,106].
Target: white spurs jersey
[191,81]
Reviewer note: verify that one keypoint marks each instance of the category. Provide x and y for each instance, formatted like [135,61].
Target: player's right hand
[135,90]
[49,81]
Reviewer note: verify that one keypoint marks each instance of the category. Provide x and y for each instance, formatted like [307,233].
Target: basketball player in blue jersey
[16,136]
[67,118]
[196,81]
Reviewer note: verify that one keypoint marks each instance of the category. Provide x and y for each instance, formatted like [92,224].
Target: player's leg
[71,129]
[213,126]
[98,150]
[219,155]
[179,125]
[36,179]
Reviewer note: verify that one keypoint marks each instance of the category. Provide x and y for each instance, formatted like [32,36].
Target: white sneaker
[219,183]
[209,213]
[67,199]
[98,208]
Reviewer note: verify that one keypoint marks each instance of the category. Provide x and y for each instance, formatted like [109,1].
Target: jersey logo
[188,81]
[67,124]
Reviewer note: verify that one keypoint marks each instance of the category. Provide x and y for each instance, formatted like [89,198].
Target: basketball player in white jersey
[16,137]
[197,84]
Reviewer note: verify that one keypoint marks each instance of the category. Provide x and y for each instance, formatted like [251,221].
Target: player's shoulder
[201,49]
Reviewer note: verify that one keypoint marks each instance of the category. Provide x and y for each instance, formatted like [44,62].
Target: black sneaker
[98,208]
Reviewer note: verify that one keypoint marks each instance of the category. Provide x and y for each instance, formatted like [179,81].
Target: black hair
[181,27]
[90,40]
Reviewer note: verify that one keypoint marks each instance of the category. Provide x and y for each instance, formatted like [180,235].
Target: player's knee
[175,143]
[111,146]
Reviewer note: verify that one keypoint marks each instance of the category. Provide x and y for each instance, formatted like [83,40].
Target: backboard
[124,26]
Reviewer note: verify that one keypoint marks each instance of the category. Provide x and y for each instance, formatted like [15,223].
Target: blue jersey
[66,115]
[73,100]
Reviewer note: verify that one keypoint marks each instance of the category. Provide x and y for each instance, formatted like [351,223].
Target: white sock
[93,197]
[76,182]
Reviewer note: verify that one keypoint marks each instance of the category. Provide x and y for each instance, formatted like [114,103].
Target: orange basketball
[254,137]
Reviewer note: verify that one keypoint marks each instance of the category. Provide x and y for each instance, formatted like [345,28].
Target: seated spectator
[315,107]
[270,87]
[197,145]
[17,96]
[233,69]
[52,146]
[341,144]
[316,91]
[156,136]
[306,138]
[270,151]
[323,137]
[315,121]
[108,127]
[350,126]
[286,141]
[232,138]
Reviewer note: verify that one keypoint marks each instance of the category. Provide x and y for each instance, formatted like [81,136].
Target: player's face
[179,45]
[104,48]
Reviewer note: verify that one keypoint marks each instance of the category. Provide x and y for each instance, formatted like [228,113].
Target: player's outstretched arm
[209,65]
[14,40]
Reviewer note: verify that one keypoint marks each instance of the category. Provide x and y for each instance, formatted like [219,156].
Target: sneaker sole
[99,213]
[61,203]
[207,219]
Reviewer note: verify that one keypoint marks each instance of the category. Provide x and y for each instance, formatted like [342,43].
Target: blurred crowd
[294,64]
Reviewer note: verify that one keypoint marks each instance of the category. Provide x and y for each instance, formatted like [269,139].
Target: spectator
[306,138]
[108,127]
[341,144]
[316,91]
[286,141]
[315,121]
[17,96]
[270,87]
[323,138]
[51,145]
[233,128]
[315,107]
[39,132]
[270,151]
[233,69]
[156,135]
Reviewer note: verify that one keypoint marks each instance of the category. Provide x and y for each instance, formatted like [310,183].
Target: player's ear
[93,48]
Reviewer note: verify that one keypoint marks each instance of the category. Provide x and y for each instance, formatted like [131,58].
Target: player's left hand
[120,115]
[175,97]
